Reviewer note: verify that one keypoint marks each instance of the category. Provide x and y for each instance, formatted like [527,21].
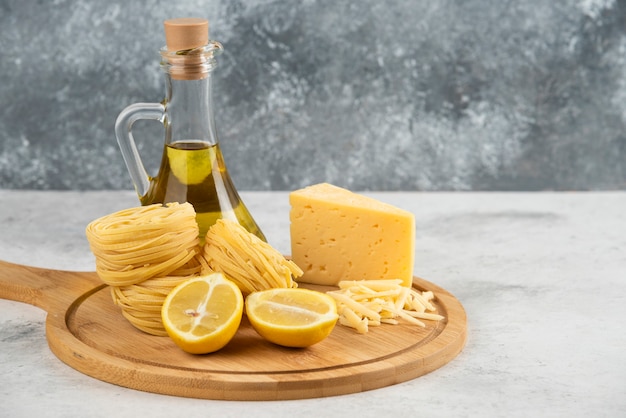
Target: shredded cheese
[365,303]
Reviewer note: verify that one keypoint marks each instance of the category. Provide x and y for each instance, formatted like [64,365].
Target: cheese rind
[340,235]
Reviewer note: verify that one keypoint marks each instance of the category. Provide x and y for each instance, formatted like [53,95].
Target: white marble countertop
[542,277]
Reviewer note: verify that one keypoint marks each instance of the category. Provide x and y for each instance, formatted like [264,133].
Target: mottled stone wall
[369,95]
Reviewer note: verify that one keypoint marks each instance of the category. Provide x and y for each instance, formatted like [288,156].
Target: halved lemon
[203,314]
[292,317]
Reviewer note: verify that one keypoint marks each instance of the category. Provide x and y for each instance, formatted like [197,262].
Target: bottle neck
[189,110]
[189,95]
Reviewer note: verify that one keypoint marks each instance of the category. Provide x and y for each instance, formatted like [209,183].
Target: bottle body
[194,171]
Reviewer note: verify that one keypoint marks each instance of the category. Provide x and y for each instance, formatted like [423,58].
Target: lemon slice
[292,317]
[203,314]
[191,165]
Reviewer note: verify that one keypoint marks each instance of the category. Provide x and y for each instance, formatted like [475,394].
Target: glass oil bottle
[192,166]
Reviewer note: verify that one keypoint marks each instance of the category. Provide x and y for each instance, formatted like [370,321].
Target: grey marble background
[369,95]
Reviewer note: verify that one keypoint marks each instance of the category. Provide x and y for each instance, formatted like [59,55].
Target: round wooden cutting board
[88,332]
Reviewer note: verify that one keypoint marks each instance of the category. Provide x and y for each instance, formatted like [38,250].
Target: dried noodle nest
[143,253]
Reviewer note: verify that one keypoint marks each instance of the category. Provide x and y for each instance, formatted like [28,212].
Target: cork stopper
[186,33]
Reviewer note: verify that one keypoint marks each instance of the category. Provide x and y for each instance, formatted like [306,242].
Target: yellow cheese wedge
[340,235]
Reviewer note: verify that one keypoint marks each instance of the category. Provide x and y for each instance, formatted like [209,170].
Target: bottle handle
[123,132]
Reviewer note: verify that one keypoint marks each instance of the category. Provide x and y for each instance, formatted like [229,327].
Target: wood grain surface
[87,331]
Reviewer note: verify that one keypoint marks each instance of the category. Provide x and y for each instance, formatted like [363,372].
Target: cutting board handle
[45,289]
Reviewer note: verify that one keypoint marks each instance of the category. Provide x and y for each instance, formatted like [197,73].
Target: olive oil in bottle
[194,172]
